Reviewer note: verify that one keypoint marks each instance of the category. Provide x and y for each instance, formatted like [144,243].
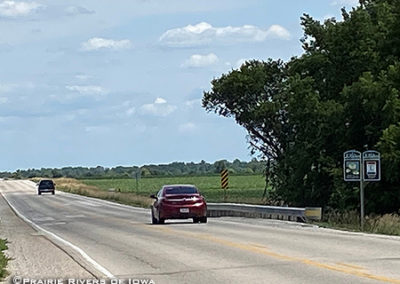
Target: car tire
[160,220]
[196,220]
[153,219]
[53,192]
[203,220]
[39,192]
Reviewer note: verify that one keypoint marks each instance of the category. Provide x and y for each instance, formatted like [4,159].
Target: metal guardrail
[256,211]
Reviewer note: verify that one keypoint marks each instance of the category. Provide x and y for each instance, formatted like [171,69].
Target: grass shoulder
[3,259]
[387,224]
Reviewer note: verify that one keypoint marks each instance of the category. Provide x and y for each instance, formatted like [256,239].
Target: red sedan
[180,201]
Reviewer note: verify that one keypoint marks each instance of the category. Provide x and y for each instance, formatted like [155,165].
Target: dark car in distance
[46,185]
[178,201]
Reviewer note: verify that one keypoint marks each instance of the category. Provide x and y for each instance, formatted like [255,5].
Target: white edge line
[79,250]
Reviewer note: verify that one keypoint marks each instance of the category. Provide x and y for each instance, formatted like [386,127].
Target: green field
[3,259]
[244,189]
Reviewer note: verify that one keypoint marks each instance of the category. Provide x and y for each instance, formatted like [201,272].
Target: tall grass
[3,259]
[388,224]
[77,187]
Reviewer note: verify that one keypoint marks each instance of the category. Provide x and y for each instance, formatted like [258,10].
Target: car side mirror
[153,196]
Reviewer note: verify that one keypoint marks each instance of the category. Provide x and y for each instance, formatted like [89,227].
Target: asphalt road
[120,242]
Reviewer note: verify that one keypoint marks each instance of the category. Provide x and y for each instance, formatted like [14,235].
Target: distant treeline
[174,169]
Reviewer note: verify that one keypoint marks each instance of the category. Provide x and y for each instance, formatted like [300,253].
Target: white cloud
[345,3]
[160,107]
[198,60]
[240,62]
[87,90]
[77,10]
[97,43]
[204,33]
[187,127]
[160,101]
[277,31]
[15,9]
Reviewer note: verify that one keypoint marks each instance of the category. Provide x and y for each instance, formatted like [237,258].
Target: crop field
[244,189]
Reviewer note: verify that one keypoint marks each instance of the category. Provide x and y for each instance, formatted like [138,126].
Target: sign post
[137,177]
[363,168]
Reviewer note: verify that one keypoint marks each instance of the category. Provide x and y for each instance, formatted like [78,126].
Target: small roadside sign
[371,166]
[352,165]
[224,179]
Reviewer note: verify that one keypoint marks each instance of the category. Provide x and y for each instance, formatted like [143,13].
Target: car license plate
[184,210]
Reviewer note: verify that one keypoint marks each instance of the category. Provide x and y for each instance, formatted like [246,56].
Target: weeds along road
[119,241]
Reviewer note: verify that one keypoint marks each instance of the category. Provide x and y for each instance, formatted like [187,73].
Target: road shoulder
[33,255]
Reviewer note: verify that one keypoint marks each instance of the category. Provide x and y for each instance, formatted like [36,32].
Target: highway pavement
[117,241]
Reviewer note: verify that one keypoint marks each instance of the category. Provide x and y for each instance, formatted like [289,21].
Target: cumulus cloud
[187,127]
[97,43]
[160,107]
[87,90]
[345,3]
[15,9]
[277,31]
[198,60]
[204,33]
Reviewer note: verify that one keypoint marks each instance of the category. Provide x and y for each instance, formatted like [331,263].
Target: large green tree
[342,93]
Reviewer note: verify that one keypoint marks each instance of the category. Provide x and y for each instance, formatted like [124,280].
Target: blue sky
[120,82]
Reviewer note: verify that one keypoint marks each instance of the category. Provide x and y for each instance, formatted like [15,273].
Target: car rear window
[181,190]
[46,184]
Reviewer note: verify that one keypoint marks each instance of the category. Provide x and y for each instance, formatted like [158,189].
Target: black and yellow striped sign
[224,179]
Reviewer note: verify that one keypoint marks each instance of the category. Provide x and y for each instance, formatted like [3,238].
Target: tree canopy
[173,169]
[342,93]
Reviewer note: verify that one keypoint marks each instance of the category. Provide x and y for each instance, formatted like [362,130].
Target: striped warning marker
[224,179]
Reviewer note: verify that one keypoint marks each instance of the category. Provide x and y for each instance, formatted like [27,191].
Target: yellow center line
[350,265]
[260,249]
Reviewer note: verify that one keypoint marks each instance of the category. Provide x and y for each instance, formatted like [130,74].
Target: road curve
[120,240]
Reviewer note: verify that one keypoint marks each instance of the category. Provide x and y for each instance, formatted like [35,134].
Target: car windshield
[181,190]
